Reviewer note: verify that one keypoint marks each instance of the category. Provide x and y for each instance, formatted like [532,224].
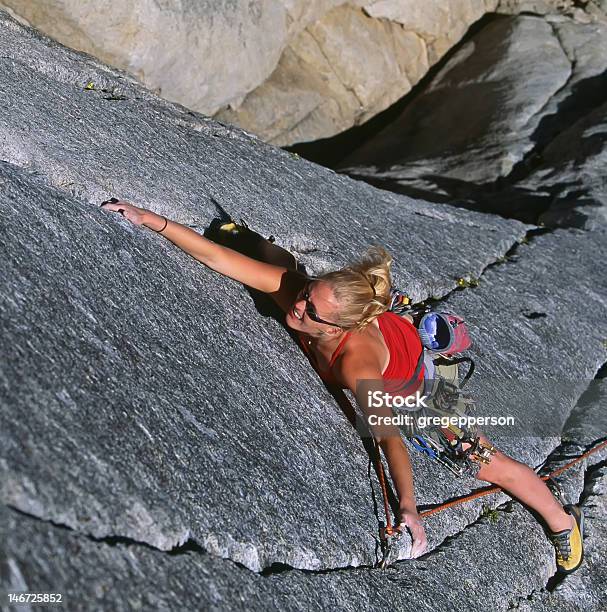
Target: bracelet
[166,222]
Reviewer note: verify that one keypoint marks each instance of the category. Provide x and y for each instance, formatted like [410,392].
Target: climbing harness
[443,336]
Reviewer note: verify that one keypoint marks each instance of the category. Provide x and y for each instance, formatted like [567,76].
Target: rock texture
[320,86]
[163,440]
[498,132]
[287,70]
[117,139]
[122,576]
[201,54]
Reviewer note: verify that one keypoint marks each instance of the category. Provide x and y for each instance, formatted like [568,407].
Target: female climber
[343,322]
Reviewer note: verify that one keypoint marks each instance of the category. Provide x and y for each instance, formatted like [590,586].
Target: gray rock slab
[473,121]
[133,429]
[39,556]
[159,407]
[526,333]
[124,577]
[529,134]
[118,139]
[150,412]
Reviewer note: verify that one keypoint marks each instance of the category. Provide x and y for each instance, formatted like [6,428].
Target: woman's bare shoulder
[360,358]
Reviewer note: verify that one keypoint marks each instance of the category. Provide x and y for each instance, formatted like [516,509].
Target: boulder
[473,121]
[441,24]
[497,132]
[320,86]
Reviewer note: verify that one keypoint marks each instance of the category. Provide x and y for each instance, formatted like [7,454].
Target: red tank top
[405,370]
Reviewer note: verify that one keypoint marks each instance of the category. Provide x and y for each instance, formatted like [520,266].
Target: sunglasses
[305,295]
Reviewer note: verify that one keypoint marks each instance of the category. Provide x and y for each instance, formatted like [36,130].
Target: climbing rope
[390,531]
[496,489]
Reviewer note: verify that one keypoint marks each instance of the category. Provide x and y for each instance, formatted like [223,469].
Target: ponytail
[362,288]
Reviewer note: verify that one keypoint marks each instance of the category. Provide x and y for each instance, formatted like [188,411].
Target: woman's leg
[520,481]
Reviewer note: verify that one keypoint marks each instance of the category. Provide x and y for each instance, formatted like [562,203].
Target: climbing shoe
[569,543]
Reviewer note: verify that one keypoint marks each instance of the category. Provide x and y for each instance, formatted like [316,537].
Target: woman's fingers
[419,542]
[131,213]
[128,211]
[418,534]
[114,206]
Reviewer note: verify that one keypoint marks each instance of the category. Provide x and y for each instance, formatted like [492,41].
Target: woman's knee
[497,469]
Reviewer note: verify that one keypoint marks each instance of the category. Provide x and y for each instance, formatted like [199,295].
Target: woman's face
[314,309]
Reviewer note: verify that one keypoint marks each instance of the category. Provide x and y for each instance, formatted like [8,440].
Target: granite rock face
[121,575]
[148,405]
[117,139]
[123,141]
[248,61]
[496,130]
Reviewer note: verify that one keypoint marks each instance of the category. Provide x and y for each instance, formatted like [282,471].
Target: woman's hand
[136,215]
[411,520]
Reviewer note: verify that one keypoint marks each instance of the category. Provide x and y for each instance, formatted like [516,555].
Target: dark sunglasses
[305,295]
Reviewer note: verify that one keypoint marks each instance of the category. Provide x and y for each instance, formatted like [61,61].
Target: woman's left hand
[412,521]
[136,215]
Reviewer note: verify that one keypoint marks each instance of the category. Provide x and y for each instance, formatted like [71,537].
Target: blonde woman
[344,325]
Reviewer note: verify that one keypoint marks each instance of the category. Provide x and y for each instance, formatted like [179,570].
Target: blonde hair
[362,288]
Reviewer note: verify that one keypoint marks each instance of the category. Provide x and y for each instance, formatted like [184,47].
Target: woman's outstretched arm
[257,274]
[361,374]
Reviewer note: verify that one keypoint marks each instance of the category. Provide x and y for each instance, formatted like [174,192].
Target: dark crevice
[602,372]
[188,547]
[330,152]
[487,513]
[533,315]
[511,256]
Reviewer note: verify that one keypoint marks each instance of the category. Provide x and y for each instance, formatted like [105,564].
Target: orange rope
[491,490]
[384,490]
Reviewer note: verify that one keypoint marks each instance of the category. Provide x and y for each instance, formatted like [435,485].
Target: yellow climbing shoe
[569,543]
